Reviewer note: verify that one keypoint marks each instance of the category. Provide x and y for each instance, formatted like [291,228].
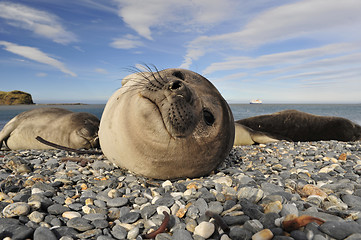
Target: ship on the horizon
[255,101]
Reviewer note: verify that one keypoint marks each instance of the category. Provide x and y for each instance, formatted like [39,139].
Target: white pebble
[204,229]
[70,214]
[132,234]
[36,190]
[225,237]
[161,209]
[16,209]
[224,181]
[167,184]
[264,234]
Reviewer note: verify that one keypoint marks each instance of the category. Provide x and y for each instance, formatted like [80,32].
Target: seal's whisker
[160,76]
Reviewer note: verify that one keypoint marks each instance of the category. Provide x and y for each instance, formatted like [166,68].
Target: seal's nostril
[175,85]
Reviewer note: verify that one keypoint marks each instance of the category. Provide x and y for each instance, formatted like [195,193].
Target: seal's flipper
[6,131]
[246,136]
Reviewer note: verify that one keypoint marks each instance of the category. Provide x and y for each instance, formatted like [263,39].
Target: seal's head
[168,124]
[85,133]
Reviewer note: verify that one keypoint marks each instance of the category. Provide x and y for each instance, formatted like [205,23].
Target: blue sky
[281,51]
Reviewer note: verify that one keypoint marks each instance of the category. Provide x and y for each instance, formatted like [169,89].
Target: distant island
[15,97]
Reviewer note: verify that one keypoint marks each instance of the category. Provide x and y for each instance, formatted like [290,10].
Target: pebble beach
[314,187]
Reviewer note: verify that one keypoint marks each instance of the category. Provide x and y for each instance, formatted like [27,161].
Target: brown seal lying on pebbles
[60,126]
[167,124]
[293,125]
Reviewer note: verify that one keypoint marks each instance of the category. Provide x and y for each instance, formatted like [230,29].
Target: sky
[279,51]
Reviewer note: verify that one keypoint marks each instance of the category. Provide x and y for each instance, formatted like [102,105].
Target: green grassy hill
[15,97]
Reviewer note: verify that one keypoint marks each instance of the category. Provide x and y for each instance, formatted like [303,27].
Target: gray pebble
[119,232]
[44,233]
[239,233]
[333,228]
[130,217]
[57,209]
[117,202]
[181,235]
[79,224]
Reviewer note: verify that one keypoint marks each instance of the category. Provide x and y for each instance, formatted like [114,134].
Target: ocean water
[349,111]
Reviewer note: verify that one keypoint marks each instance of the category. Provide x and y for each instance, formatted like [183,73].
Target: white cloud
[101,70]
[35,55]
[127,42]
[308,18]
[173,15]
[283,58]
[40,22]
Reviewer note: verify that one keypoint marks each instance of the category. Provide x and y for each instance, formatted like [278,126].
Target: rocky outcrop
[15,97]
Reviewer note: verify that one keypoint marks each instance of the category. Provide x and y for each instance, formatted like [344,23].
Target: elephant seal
[60,126]
[293,125]
[167,124]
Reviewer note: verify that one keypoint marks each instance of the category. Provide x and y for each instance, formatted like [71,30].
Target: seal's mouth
[177,121]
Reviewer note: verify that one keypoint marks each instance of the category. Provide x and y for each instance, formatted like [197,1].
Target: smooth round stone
[275,207]
[133,233]
[119,232]
[270,188]
[113,213]
[227,181]
[352,201]
[70,214]
[181,234]
[57,209]
[113,193]
[35,205]
[288,209]
[167,183]
[165,202]
[18,231]
[162,209]
[36,191]
[264,234]
[250,209]
[44,233]
[315,200]
[202,205]
[239,233]
[299,235]
[117,202]
[140,200]
[190,224]
[36,216]
[215,207]
[79,224]
[148,211]
[192,212]
[56,222]
[100,223]
[204,229]
[235,220]
[130,217]
[251,194]
[100,203]
[332,228]
[88,234]
[253,225]
[163,236]
[16,209]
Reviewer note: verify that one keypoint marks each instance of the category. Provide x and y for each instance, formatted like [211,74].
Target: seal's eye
[208,117]
[179,75]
